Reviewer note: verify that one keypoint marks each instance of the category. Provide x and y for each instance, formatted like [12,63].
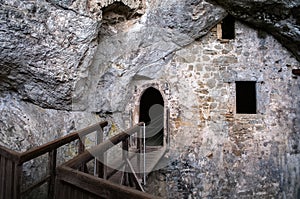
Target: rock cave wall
[63,66]
[46,48]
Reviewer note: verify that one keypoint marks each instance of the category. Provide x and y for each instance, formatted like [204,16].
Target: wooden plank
[2,176]
[125,148]
[38,151]
[219,31]
[101,148]
[80,195]
[68,191]
[72,191]
[81,149]
[98,186]
[52,173]
[9,179]
[59,188]
[18,181]
[100,166]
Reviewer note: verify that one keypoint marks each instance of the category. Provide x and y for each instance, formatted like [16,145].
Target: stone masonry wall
[217,153]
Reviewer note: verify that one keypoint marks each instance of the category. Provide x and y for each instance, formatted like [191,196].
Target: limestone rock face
[44,49]
[280,18]
[140,50]
[47,46]
[24,125]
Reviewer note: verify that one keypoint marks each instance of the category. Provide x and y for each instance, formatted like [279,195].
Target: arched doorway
[152,113]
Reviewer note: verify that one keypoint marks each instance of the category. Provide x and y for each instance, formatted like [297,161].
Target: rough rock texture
[43,50]
[98,57]
[221,154]
[139,50]
[47,46]
[279,18]
[24,125]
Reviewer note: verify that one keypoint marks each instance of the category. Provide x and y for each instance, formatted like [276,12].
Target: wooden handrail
[10,154]
[101,148]
[48,147]
[12,162]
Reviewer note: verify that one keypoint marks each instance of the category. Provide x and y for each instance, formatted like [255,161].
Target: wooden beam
[101,168]
[38,151]
[98,186]
[101,148]
[52,171]
[296,72]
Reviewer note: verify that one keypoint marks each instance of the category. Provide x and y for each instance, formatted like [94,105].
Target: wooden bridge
[93,173]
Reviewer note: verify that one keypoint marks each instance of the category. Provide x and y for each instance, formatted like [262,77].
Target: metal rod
[144,130]
[95,160]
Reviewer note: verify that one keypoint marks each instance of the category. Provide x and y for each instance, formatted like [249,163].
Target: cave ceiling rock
[280,18]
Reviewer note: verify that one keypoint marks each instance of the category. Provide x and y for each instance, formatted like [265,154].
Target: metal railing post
[144,145]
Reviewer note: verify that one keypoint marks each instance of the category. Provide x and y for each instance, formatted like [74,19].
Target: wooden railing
[73,183]
[11,164]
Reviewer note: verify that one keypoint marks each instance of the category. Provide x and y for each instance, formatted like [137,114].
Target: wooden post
[100,161]
[81,150]
[18,181]
[125,147]
[10,178]
[52,173]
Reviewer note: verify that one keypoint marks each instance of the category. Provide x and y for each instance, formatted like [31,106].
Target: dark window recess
[228,31]
[246,97]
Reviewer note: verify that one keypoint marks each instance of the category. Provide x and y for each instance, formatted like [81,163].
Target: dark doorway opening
[152,113]
[246,97]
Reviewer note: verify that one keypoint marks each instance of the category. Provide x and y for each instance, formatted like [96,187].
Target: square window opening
[246,97]
[228,27]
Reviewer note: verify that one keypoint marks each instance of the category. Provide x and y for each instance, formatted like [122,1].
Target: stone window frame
[260,103]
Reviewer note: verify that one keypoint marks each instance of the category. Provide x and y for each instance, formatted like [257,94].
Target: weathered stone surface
[221,154]
[24,125]
[279,18]
[139,52]
[44,49]
[57,52]
[47,46]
